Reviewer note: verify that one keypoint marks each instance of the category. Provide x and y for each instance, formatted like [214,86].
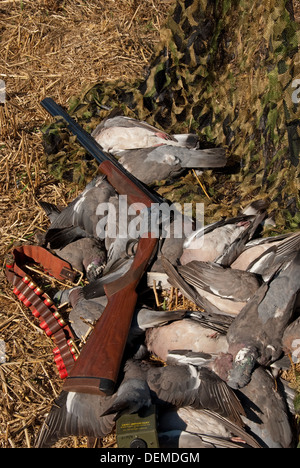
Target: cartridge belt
[40,304]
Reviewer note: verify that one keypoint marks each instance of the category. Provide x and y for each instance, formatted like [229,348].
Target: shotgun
[97,367]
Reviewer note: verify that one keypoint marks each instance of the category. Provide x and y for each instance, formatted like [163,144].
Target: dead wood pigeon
[84,313]
[83,414]
[96,288]
[267,416]
[81,217]
[227,289]
[223,240]
[118,133]
[291,340]
[216,289]
[185,386]
[185,334]
[87,255]
[78,414]
[236,285]
[254,249]
[174,230]
[124,228]
[196,387]
[255,336]
[152,165]
[133,394]
[122,231]
[187,427]
[266,402]
[266,256]
[151,154]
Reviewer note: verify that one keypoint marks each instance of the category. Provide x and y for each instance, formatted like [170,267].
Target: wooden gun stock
[97,368]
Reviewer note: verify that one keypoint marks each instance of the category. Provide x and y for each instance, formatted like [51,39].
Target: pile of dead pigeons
[219,385]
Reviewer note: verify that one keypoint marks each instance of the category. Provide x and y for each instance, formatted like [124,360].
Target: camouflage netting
[225,70]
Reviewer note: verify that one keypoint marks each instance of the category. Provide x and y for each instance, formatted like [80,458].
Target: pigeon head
[242,367]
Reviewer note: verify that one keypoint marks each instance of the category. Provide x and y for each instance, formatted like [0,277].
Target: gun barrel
[92,147]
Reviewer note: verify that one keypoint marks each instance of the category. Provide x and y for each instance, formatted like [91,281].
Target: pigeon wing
[74,414]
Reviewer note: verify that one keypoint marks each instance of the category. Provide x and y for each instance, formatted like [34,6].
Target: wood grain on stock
[97,367]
